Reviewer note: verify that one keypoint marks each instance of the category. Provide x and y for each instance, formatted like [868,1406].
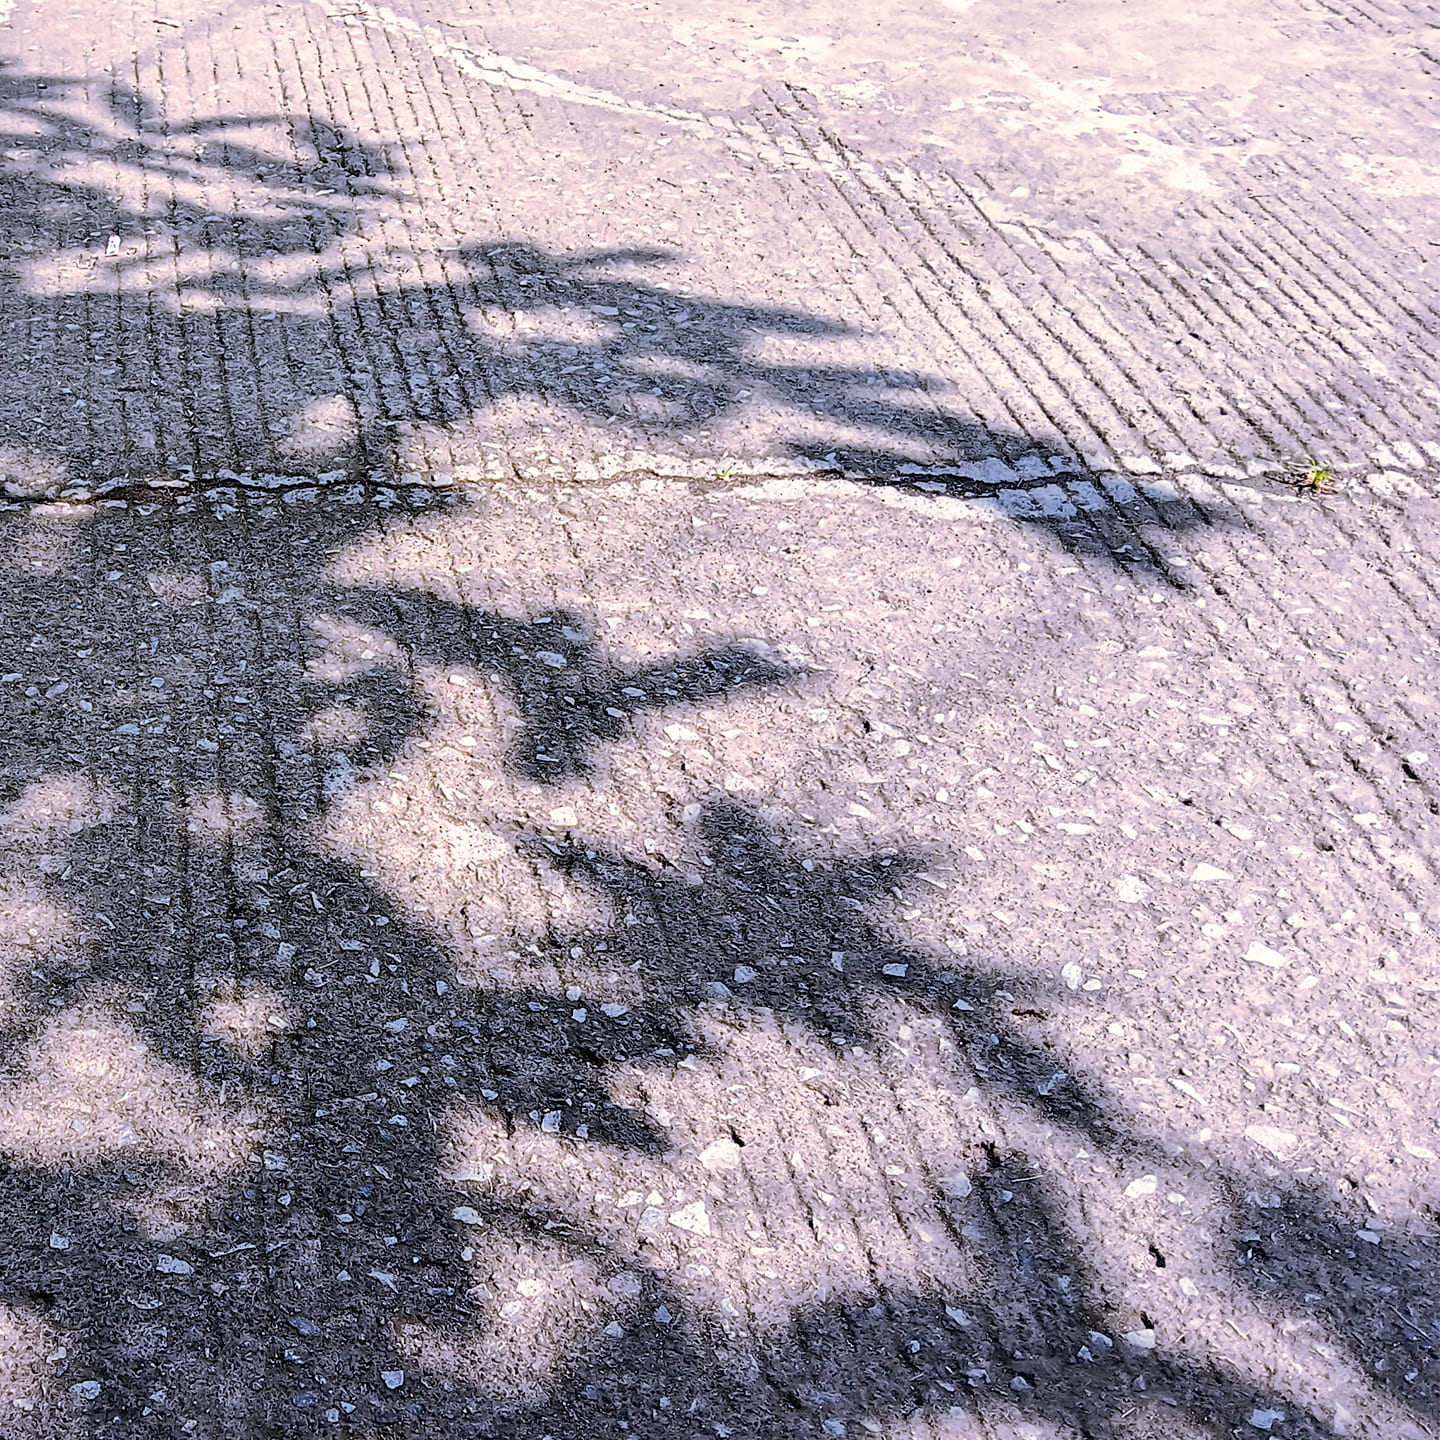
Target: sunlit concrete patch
[709,1219]
[347,722]
[31,921]
[40,936]
[29,1347]
[246,1019]
[527,428]
[217,817]
[56,806]
[442,832]
[322,433]
[31,475]
[35,932]
[959,1422]
[435,451]
[451,820]
[540,1302]
[341,650]
[556,324]
[651,409]
[178,589]
[89,1088]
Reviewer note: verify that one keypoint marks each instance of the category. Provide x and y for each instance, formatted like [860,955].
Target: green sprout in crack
[1317,476]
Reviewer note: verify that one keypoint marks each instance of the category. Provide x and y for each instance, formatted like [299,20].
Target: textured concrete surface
[719,724]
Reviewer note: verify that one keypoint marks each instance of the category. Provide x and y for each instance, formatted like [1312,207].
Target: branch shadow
[264,1213]
[570,695]
[224,329]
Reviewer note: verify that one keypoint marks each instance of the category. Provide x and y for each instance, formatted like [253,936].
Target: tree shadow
[1374,1287]
[1031,1340]
[569,695]
[177,1270]
[290,1046]
[771,934]
[236,332]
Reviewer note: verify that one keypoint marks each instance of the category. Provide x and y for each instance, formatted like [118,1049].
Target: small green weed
[1317,476]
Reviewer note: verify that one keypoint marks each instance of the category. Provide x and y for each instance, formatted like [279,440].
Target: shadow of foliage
[203,345]
[254,1286]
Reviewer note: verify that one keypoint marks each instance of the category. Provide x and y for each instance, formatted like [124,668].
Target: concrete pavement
[718,724]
